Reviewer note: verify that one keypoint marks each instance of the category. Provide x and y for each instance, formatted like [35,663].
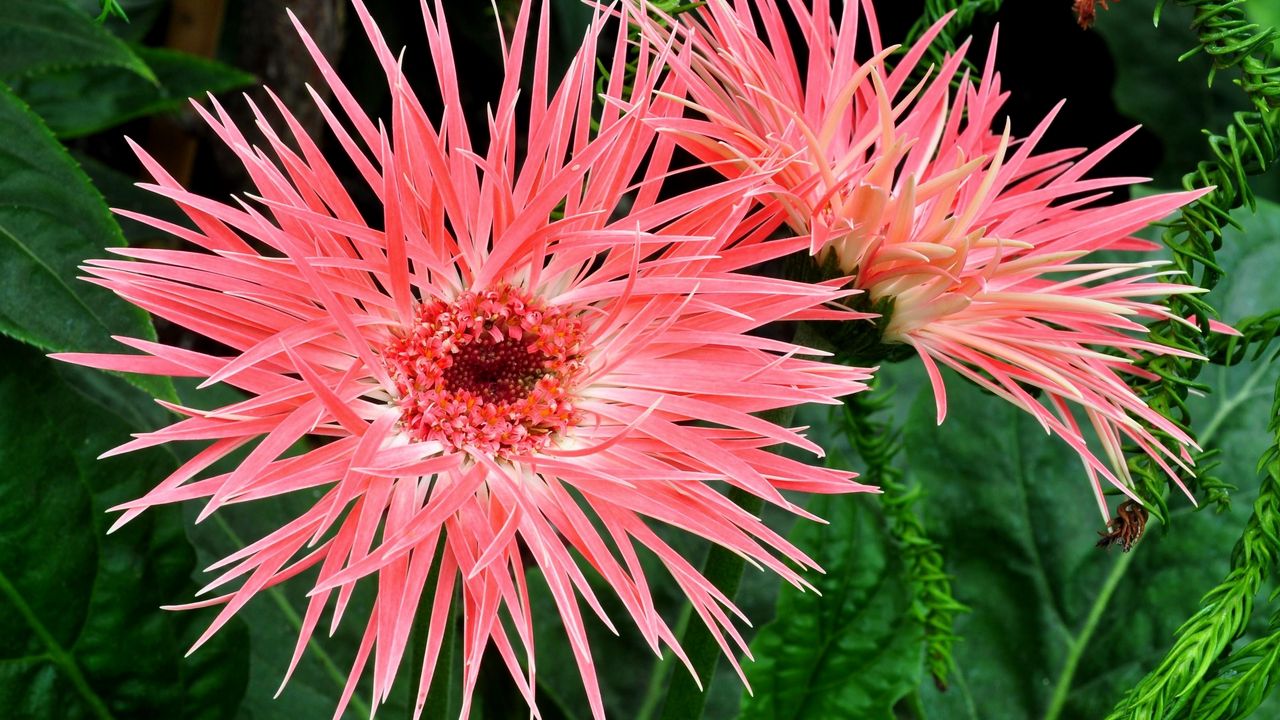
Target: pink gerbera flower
[530,358]
[978,248]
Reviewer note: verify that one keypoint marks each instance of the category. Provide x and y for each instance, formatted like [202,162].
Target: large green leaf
[39,36]
[852,651]
[82,101]
[81,635]
[121,191]
[51,220]
[1060,629]
[274,617]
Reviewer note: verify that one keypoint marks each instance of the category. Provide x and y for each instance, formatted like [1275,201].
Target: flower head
[528,359]
[978,247]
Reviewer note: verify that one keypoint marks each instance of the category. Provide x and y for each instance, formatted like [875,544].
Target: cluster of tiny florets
[493,371]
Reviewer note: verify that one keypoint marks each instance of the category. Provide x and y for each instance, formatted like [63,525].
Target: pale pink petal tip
[984,242]
[529,358]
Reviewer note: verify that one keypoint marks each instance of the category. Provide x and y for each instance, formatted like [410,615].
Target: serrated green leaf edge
[155,386]
[16,14]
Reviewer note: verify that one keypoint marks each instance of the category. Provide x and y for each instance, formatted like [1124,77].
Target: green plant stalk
[1177,686]
[723,568]
[1080,643]
[935,607]
[653,696]
[295,621]
[440,702]
[1062,689]
[1224,612]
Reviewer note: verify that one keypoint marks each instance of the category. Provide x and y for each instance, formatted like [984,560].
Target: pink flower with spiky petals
[534,359]
[977,245]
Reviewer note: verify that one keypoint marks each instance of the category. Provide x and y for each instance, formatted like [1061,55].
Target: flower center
[498,371]
[492,371]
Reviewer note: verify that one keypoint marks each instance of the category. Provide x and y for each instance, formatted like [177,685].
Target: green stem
[685,700]
[723,568]
[360,707]
[1076,650]
[661,669]
[441,701]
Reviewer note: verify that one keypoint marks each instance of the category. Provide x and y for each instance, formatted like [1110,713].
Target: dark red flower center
[498,371]
[491,371]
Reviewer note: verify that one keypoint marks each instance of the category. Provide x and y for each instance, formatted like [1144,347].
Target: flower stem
[291,616]
[723,568]
[1076,650]
[441,702]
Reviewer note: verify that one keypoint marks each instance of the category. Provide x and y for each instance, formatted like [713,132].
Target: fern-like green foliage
[1249,146]
[877,443]
[1196,679]
[660,10]
[112,8]
[1244,682]
[948,41]
[1178,688]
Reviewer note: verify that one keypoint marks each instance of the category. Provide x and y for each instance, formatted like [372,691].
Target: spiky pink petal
[982,242]
[538,355]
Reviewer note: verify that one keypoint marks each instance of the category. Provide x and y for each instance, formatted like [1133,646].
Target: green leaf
[143,15]
[81,635]
[855,650]
[83,101]
[121,191]
[39,36]
[1014,511]
[274,617]
[1060,629]
[51,220]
